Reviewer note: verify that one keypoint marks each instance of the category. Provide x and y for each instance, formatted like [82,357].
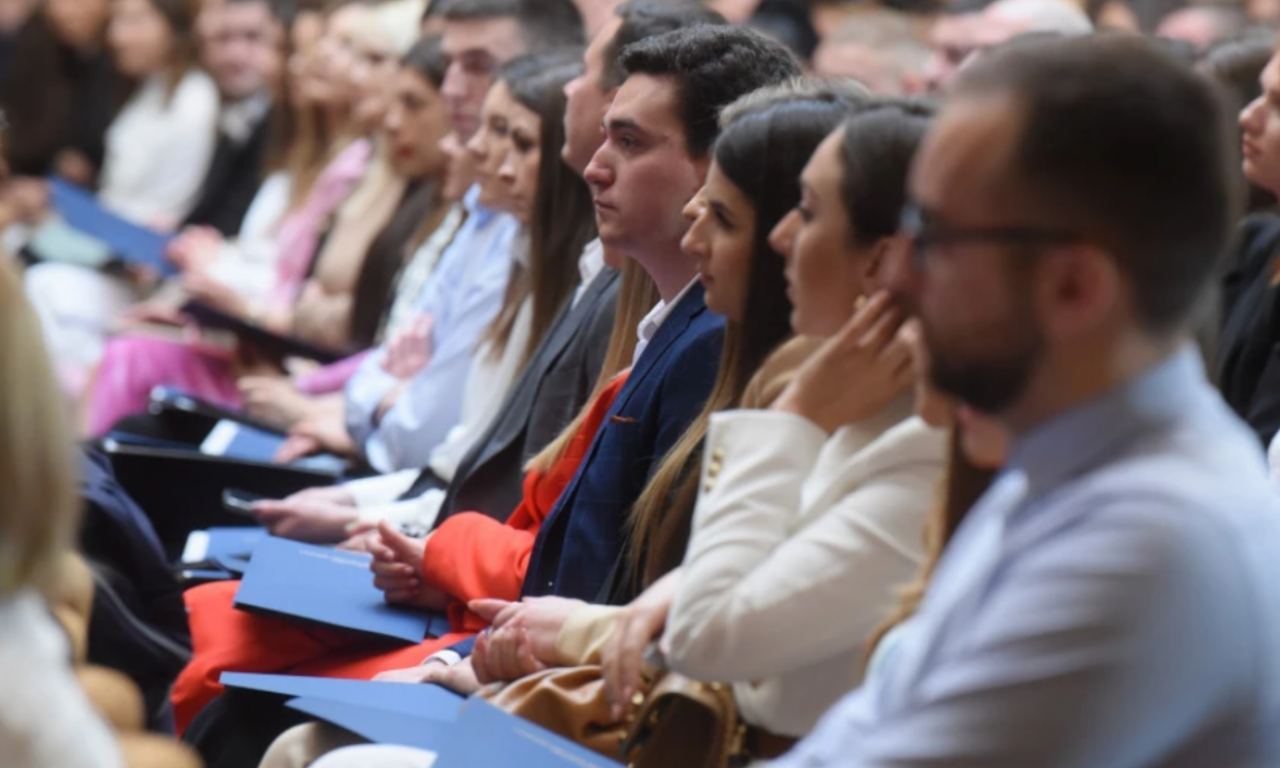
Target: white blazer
[799,544]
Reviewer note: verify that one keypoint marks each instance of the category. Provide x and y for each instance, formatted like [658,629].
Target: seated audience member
[636,178]
[240,49]
[1203,25]
[1248,371]
[1122,560]
[45,719]
[834,499]
[559,376]
[731,222]
[79,308]
[1236,67]
[881,49]
[133,365]
[58,96]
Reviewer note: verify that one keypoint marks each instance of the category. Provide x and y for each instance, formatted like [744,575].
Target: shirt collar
[476,212]
[591,263]
[653,321]
[1083,437]
[238,119]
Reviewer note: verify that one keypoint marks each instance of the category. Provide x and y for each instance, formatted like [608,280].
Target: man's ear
[1082,287]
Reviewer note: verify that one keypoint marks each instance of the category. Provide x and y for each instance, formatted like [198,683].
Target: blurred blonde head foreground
[38,488]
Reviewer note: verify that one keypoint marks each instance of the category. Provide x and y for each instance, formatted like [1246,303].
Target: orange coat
[469,556]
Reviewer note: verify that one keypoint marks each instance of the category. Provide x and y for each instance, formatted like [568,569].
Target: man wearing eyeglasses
[1114,599]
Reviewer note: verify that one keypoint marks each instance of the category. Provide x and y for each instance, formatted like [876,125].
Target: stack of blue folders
[463,734]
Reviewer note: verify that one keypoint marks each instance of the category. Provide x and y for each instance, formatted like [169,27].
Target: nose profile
[782,238]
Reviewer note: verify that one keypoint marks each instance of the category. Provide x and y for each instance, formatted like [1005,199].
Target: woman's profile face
[416,123]
[329,67]
[826,272]
[489,147]
[519,169]
[721,238]
[140,38]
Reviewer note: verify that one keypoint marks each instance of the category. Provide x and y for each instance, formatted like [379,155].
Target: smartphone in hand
[240,502]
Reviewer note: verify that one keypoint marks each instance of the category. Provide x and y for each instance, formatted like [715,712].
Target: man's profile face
[587,102]
[475,49]
[975,299]
[240,48]
[953,40]
[642,175]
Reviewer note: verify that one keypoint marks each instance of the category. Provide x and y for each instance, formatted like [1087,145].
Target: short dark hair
[1128,147]
[642,19]
[712,67]
[546,24]
[788,22]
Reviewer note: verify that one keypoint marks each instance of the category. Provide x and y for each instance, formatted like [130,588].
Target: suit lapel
[684,313]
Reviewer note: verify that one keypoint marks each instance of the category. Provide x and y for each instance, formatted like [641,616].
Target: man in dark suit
[241,40]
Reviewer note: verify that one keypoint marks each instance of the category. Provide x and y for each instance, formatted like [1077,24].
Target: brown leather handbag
[686,723]
[569,701]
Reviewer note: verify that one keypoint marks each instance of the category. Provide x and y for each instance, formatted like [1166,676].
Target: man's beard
[992,383]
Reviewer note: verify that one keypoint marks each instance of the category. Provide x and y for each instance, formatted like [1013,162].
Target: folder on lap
[488,737]
[422,701]
[116,238]
[334,589]
[381,726]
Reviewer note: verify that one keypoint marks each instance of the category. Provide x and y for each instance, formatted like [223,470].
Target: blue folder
[127,241]
[233,440]
[381,726]
[332,588]
[488,737]
[429,702]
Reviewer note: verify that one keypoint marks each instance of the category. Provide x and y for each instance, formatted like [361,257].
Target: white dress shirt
[791,523]
[1112,602]
[653,321]
[158,150]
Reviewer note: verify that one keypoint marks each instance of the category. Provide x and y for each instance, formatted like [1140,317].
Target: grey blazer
[547,396]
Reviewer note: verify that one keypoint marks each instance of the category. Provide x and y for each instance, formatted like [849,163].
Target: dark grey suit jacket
[547,396]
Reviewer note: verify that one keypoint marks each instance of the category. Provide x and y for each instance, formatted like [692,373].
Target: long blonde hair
[38,508]
[636,296]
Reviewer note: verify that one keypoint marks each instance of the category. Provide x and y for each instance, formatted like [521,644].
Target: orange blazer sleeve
[472,556]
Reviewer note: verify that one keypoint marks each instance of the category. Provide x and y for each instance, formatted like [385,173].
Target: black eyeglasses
[926,237]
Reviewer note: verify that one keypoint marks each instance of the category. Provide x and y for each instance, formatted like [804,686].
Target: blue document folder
[233,440]
[324,586]
[381,726]
[430,702]
[487,737]
[127,241]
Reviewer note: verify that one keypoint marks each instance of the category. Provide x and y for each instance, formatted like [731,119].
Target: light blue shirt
[1112,602]
[463,295]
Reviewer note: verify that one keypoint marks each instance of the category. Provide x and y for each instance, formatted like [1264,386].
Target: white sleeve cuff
[445,657]
[381,489]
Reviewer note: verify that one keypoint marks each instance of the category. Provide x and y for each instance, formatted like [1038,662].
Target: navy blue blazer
[582,539]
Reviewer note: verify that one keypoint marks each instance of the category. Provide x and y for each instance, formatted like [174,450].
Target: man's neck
[671,271]
[1072,379]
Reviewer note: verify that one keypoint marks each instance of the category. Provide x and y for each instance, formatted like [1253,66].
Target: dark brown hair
[563,218]
[383,262]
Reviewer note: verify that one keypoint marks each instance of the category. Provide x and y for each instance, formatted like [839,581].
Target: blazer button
[718,455]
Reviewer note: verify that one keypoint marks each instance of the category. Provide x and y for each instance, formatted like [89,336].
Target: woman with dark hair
[60,92]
